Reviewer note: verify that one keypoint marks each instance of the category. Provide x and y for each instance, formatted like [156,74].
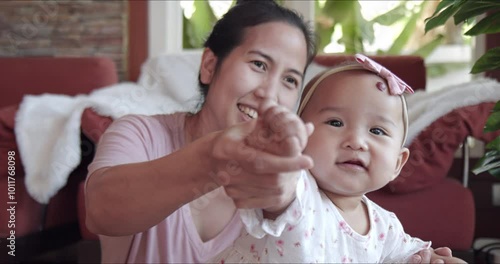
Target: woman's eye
[259,64]
[335,123]
[378,131]
[292,80]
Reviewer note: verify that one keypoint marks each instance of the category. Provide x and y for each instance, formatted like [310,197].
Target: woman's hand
[279,131]
[258,161]
[438,255]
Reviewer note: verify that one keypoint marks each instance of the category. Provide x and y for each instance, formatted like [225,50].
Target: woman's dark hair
[229,31]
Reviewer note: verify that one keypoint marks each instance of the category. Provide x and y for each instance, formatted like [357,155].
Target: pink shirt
[134,139]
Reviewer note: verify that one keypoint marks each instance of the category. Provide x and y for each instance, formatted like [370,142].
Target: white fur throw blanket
[48,126]
[425,107]
[48,129]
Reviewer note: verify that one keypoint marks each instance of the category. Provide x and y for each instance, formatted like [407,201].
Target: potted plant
[469,11]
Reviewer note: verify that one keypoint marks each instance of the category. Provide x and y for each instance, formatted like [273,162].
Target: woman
[161,173]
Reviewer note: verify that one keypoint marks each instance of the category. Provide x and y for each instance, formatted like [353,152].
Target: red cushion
[8,138]
[409,68]
[26,206]
[93,125]
[432,151]
[37,75]
[84,231]
[443,213]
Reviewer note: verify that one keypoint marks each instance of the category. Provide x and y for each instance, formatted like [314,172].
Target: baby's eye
[335,123]
[260,64]
[378,131]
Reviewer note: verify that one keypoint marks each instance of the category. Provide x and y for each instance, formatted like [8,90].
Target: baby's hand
[279,131]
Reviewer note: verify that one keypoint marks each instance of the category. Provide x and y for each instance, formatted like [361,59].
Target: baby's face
[356,144]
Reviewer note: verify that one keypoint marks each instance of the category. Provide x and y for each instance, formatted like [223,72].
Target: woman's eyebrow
[269,58]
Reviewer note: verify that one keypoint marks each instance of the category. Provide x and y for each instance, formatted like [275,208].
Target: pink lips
[352,165]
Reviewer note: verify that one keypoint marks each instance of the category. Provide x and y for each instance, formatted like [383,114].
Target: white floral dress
[313,231]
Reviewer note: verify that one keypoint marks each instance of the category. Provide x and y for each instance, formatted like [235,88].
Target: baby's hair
[342,67]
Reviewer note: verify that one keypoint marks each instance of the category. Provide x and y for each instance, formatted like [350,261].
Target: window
[371,27]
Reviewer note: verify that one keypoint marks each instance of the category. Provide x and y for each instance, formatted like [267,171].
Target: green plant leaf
[333,13]
[487,25]
[488,62]
[492,123]
[446,11]
[338,10]
[200,24]
[490,160]
[324,35]
[391,16]
[352,38]
[442,5]
[494,144]
[471,9]
[496,108]
[428,48]
[186,42]
[495,172]
[353,27]
[401,41]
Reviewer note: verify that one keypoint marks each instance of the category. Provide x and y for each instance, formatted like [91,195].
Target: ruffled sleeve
[257,226]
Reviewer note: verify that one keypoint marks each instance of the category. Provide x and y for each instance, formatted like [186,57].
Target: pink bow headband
[396,85]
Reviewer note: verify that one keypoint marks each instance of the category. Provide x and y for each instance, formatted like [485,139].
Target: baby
[360,126]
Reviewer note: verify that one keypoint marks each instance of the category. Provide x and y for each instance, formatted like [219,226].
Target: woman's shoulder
[152,128]
[152,121]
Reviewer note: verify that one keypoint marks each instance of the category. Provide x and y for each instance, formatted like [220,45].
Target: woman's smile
[248,111]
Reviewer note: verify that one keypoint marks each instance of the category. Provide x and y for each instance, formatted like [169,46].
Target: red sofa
[33,221]
[431,204]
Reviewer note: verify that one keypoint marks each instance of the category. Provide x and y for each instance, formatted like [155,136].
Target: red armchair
[58,219]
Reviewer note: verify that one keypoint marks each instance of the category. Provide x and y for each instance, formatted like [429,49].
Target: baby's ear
[402,159]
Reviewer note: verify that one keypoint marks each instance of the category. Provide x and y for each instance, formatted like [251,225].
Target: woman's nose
[268,89]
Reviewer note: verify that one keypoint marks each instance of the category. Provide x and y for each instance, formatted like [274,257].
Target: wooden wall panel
[137,37]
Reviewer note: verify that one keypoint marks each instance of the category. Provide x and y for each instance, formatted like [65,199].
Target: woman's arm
[130,198]
[127,199]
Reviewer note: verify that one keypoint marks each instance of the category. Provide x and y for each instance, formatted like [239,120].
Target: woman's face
[269,63]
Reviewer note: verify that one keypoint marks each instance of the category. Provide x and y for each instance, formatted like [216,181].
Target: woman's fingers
[255,177]
[266,163]
[283,122]
[254,197]
[443,251]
